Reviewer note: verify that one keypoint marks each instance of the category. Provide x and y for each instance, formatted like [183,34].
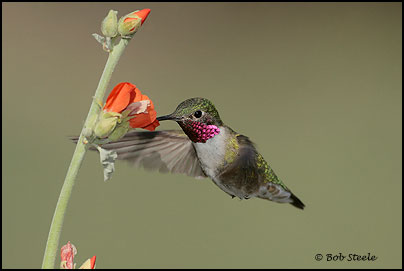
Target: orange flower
[122,96]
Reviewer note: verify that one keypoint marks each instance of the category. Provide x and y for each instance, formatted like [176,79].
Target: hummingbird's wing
[165,151]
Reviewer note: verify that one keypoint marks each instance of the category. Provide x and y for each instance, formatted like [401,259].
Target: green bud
[106,123]
[109,26]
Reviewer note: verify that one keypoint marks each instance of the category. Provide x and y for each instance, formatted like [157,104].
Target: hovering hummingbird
[205,147]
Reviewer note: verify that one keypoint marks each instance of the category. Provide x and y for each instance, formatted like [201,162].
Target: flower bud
[109,26]
[89,264]
[131,22]
[67,253]
[106,123]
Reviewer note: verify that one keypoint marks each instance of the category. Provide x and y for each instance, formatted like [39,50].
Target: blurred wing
[165,151]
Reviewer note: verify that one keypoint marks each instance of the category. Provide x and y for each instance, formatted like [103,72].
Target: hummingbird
[205,148]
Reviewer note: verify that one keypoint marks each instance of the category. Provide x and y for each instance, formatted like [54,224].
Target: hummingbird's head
[197,117]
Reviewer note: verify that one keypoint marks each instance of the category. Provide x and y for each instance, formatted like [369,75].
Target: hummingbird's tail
[278,193]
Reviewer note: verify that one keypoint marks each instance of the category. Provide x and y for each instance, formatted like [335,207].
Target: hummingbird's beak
[168,117]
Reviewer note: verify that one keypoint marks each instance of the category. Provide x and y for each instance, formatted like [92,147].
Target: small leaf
[107,158]
[99,38]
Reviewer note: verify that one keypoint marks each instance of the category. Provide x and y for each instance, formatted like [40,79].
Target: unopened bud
[89,264]
[109,26]
[106,123]
[67,253]
[131,22]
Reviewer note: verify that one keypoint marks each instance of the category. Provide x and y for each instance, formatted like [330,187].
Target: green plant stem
[57,222]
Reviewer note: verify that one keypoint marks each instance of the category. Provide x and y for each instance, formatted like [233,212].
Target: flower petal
[120,97]
[143,14]
[152,126]
[93,262]
[138,107]
[146,119]
[138,96]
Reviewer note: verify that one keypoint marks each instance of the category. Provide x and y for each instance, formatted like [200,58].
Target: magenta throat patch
[198,131]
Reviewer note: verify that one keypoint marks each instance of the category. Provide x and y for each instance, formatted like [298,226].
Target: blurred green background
[317,86]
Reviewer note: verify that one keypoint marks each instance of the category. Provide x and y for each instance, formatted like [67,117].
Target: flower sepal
[120,130]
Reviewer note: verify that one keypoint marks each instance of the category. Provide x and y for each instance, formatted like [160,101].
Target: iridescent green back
[267,171]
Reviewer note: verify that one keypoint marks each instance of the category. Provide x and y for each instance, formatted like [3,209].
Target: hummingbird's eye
[198,114]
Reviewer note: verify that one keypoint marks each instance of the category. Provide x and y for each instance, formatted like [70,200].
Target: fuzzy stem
[57,222]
